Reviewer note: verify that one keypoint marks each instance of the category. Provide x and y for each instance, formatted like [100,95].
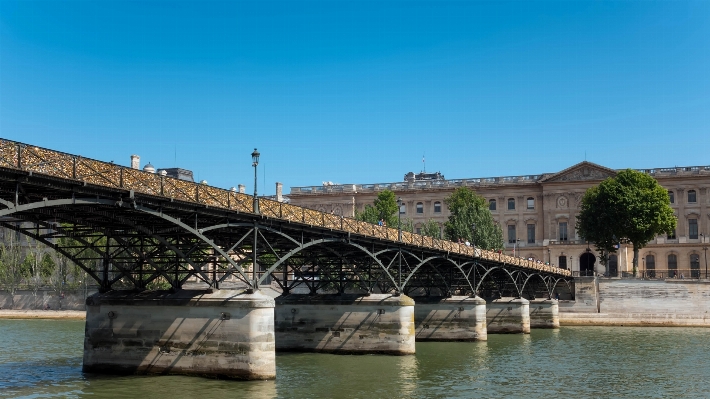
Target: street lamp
[705,249]
[549,257]
[399,216]
[255,163]
[515,244]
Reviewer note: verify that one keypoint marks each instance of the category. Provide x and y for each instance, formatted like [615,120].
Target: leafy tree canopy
[468,208]
[629,207]
[384,208]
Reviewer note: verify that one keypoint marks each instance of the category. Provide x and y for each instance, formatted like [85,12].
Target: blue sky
[358,92]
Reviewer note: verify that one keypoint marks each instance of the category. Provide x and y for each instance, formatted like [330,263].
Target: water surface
[42,359]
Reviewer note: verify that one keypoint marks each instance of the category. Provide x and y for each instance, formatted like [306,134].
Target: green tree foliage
[13,269]
[384,208]
[431,229]
[630,207]
[468,208]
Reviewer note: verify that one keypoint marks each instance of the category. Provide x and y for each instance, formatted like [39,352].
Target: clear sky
[358,92]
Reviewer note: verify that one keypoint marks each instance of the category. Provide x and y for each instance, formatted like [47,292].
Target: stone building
[538,214]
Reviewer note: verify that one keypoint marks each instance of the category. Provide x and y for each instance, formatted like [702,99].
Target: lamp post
[255,163]
[515,244]
[549,257]
[705,249]
[399,217]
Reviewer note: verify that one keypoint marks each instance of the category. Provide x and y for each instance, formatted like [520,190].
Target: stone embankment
[634,302]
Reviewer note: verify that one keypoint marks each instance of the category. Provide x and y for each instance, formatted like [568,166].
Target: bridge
[132,231]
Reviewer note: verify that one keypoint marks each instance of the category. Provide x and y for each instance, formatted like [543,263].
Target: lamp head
[255,157]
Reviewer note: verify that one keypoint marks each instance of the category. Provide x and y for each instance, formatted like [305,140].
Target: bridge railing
[34,159]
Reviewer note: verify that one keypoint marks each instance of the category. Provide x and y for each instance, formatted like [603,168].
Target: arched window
[437,207]
[492,205]
[420,207]
[511,204]
[672,266]
[671,196]
[613,266]
[692,197]
[562,261]
[650,266]
[531,203]
[695,266]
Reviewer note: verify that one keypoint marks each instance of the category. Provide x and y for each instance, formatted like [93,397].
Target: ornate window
[437,207]
[692,197]
[650,266]
[531,234]
[531,203]
[693,228]
[671,196]
[420,207]
[492,205]
[563,231]
[511,234]
[562,262]
[694,266]
[672,265]
[511,204]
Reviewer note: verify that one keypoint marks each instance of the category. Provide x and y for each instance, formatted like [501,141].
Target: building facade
[538,215]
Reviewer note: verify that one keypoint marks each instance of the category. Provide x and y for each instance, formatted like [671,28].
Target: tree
[431,229]
[468,208]
[12,265]
[385,208]
[630,207]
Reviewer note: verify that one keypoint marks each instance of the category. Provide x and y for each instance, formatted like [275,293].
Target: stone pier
[508,316]
[347,324]
[221,334]
[458,318]
[544,313]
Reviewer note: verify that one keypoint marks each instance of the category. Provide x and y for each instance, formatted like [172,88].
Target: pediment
[583,171]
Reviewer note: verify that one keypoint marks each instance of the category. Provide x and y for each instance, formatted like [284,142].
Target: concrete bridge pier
[544,313]
[508,316]
[222,334]
[458,318]
[345,324]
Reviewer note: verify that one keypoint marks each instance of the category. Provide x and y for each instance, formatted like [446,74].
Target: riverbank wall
[637,302]
[44,300]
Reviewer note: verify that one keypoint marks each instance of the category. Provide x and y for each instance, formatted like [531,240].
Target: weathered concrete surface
[544,313]
[635,302]
[508,316]
[379,323]
[224,334]
[44,299]
[458,318]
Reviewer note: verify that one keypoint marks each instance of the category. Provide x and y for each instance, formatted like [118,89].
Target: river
[42,358]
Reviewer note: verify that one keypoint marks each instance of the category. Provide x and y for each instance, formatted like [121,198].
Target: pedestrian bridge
[134,231]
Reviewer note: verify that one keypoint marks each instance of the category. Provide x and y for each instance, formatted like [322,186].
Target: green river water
[42,359]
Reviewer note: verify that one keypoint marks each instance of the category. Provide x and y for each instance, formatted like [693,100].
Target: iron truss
[127,239]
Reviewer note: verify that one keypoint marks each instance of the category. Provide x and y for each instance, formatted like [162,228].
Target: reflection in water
[42,358]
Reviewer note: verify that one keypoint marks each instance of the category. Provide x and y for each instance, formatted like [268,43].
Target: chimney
[279,192]
[241,188]
[135,162]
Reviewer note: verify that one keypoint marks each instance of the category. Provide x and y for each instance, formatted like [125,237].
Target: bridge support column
[379,323]
[508,316]
[544,313]
[225,334]
[458,318]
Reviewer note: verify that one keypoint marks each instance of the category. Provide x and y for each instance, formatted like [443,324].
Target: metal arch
[53,246]
[426,262]
[321,241]
[530,276]
[483,277]
[7,203]
[557,281]
[157,237]
[198,235]
[94,201]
